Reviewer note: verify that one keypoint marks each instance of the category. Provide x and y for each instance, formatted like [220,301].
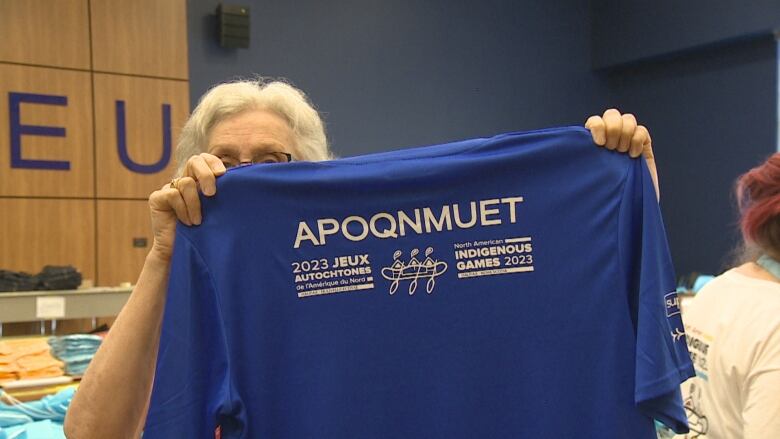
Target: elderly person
[234,124]
[733,325]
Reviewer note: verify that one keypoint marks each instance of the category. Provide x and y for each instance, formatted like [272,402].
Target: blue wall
[389,74]
[627,31]
[703,76]
[712,113]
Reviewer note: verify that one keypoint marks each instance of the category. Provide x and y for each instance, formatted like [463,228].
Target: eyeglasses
[265,157]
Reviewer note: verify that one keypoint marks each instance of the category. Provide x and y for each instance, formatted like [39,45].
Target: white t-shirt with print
[733,332]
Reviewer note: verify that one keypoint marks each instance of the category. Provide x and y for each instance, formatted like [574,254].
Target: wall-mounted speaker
[233,25]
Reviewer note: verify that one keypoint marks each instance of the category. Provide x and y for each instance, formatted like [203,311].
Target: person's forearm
[113,396]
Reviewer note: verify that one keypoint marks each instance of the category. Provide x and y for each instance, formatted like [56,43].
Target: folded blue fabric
[35,430]
[75,342]
[76,351]
[9,418]
[52,407]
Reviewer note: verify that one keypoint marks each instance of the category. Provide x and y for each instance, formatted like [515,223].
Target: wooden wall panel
[141,37]
[119,224]
[38,232]
[74,113]
[54,54]
[45,32]
[143,106]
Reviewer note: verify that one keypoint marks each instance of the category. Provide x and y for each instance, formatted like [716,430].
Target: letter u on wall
[137,122]
[121,142]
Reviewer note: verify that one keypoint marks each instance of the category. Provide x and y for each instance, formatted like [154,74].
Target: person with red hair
[733,325]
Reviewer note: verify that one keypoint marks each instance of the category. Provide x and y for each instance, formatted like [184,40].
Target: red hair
[758,195]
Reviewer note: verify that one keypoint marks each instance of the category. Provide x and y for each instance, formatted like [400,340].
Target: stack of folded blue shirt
[76,351]
[35,420]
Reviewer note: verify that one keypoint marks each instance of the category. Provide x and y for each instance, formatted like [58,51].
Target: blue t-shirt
[512,286]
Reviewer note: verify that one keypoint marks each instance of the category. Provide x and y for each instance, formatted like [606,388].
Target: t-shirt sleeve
[192,391]
[662,361]
[762,404]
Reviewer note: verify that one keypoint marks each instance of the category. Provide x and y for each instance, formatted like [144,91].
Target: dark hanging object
[233,26]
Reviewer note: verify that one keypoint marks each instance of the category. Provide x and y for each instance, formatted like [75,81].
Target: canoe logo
[414,271]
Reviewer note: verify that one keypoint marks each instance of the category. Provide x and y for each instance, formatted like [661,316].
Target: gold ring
[174,182]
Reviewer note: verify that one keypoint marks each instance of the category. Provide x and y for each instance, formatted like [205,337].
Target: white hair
[231,98]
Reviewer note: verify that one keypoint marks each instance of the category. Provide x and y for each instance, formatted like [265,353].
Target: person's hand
[620,132]
[179,199]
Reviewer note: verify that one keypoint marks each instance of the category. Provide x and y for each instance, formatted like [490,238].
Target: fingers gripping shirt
[514,286]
